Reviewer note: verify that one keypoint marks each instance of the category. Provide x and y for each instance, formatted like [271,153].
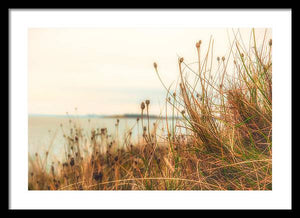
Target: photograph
[149,109]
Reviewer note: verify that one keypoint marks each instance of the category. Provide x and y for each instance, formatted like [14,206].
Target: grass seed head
[142,105]
[72,162]
[98,176]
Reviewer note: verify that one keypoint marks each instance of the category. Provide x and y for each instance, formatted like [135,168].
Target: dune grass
[223,140]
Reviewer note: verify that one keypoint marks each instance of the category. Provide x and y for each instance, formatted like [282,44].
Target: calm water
[46,133]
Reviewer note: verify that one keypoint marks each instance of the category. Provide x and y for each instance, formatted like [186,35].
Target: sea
[46,133]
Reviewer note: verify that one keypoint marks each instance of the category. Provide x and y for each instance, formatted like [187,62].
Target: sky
[110,70]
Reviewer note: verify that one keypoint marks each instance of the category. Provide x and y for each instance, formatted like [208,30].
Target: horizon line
[88,114]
